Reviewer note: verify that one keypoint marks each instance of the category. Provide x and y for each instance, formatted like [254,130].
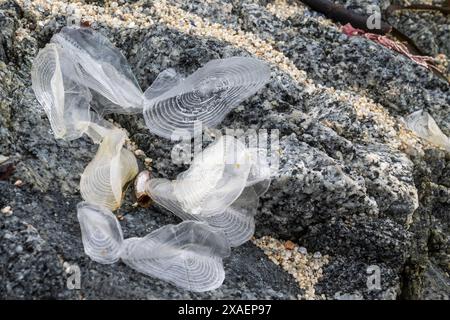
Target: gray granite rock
[347,186]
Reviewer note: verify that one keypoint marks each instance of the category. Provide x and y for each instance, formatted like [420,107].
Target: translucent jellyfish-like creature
[214,180]
[217,188]
[422,124]
[140,189]
[173,103]
[101,67]
[101,233]
[189,255]
[218,195]
[65,102]
[113,166]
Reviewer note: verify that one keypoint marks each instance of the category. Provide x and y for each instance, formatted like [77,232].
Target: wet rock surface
[354,184]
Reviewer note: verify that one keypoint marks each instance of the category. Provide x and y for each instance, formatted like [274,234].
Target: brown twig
[423,7]
[343,15]
[6,170]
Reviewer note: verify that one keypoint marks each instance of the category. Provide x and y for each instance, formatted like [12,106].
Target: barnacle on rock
[207,95]
[140,188]
[111,169]
[100,66]
[101,233]
[423,124]
[189,255]
[65,102]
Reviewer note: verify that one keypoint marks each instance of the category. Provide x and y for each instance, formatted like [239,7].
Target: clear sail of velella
[260,173]
[206,96]
[113,166]
[65,102]
[101,67]
[166,80]
[214,180]
[217,188]
[188,255]
[237,221]
[423,124]
[101,233]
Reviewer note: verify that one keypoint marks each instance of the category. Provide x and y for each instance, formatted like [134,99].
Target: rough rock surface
[354,184]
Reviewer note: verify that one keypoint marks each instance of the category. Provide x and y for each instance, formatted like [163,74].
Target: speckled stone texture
[353,183]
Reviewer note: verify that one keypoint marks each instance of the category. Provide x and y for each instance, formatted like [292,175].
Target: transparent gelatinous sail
[101,233]
[207,95]
[111,169]
[423,124]
[189,255]
[65,102]
[218,188]
[166,80]
[237,221]
[98,128]
[260,175]
[213,182]
[101,67]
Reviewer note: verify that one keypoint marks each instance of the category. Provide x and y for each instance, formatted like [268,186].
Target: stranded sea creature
[217,188]
[111,169]
[101,233]
[79,77]
[423,125]
[140,189]
[65,102]
[188,255]
[101,67]
[207,96]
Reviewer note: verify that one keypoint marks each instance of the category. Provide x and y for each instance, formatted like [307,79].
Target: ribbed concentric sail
[221,187]
[218,194]
[207,95]
[423,124]
[165,81]
[101,67]
[214,181]
[259,176]
[101,233]
[237,221]
[189,255]
[65,102]
[215,178]
[162,192]
[105,176]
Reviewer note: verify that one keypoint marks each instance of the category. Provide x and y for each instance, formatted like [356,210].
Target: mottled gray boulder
[353,183]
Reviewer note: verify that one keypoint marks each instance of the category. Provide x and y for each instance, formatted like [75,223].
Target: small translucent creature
[107,174]
[79,77]
[189,254]
[65,102]
[222,187]
[207,96]
[101,233]
[423,124]
[101,67]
